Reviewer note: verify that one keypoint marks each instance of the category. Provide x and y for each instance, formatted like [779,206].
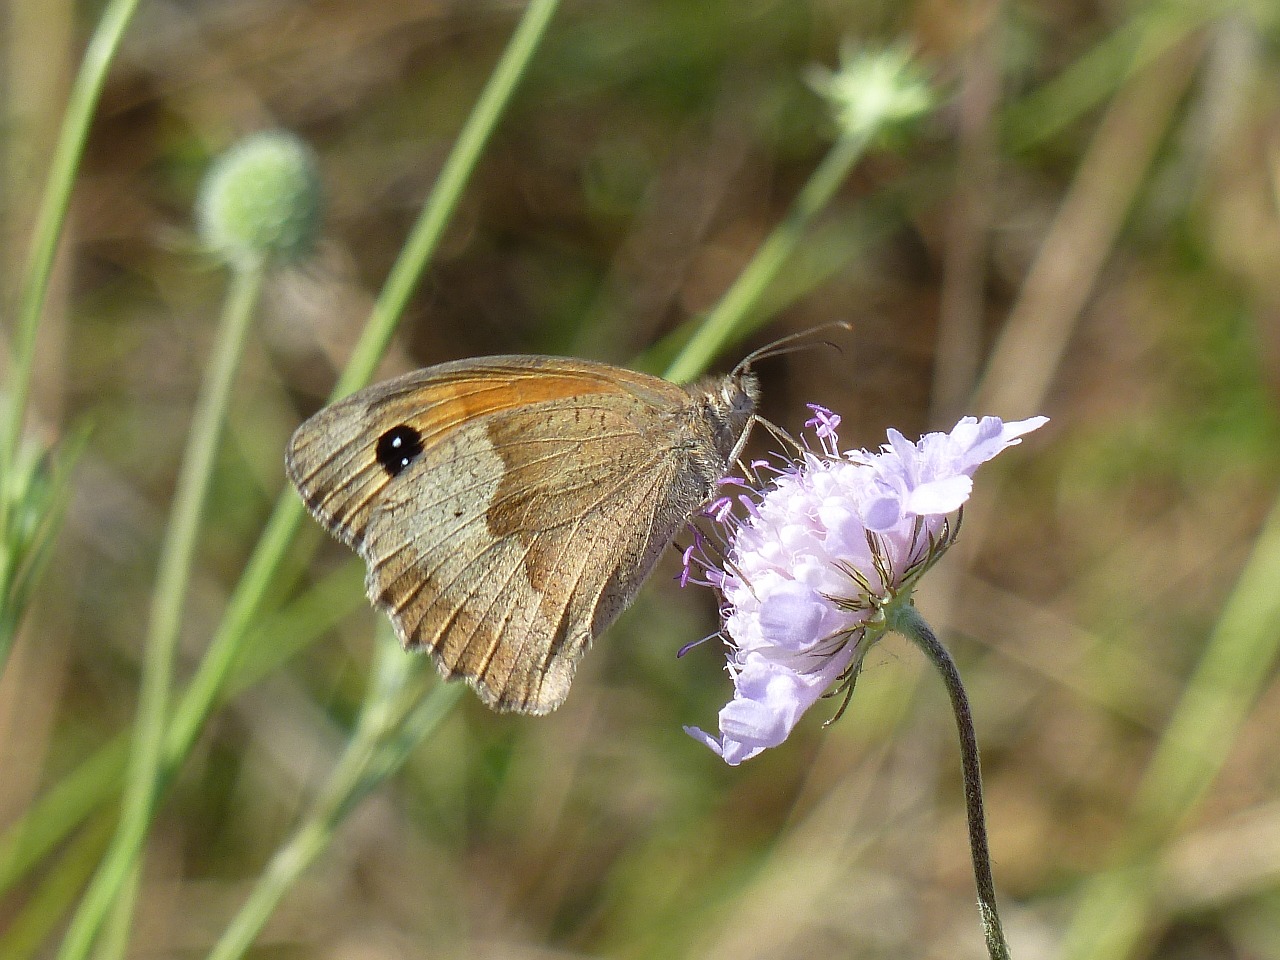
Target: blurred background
[1088,228]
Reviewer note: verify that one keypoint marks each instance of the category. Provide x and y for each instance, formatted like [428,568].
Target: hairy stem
[905,619]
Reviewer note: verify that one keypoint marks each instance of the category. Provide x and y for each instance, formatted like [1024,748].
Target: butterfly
[509,508]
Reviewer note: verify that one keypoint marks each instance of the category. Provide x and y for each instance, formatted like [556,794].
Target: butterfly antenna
[793,343]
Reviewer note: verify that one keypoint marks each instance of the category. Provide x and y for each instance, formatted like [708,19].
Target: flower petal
[882,513]
[793,616]
[939,496]
[768,700]
[973,442]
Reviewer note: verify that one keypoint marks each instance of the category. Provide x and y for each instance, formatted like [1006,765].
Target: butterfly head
[729,406]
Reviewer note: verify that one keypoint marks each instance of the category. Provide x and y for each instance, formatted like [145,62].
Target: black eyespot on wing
[397,448]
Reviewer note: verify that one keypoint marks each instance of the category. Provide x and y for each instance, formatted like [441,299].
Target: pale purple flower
[824,549]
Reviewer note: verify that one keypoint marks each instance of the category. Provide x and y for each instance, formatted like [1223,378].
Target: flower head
[812,572]
[261,198]
[874,91]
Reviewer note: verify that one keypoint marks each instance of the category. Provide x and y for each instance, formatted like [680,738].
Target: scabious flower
[875,92]
[261,199]
[811,575]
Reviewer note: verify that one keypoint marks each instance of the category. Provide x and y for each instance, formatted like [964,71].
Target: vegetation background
[1088,227]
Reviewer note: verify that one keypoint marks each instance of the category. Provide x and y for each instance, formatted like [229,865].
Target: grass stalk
[94,782]
[395,718]
[735,311]
[177,557]
[51,217]
[1115,905]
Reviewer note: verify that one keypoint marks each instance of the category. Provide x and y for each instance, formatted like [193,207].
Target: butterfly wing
[333,457]
[539,496]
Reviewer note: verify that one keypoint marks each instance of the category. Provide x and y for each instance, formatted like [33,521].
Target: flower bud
[261,200]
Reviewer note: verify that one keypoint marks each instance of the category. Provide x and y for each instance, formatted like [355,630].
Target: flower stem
[905,619]
[50,218]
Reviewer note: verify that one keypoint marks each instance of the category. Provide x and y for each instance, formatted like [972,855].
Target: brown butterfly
[509,508]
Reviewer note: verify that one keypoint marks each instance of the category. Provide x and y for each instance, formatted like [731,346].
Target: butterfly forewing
[332,458]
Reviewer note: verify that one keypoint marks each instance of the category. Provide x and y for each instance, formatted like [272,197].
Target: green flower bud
[261,200]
